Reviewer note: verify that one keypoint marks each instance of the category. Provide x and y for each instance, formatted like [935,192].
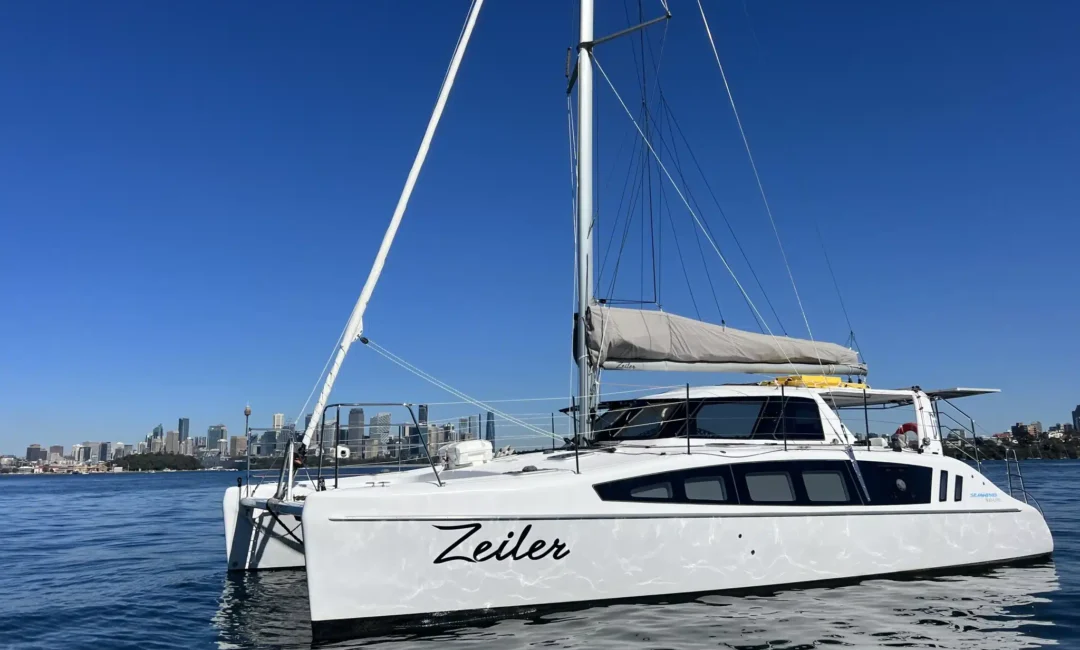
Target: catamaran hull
[256,538]
[366,574]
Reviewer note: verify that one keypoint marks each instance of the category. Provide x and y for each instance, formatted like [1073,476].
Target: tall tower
[489,429]
[355,435]
[279,421]
[182,429]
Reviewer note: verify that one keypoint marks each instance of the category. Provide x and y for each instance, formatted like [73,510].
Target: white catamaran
[703,489]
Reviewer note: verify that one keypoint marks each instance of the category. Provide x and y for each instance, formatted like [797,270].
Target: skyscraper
[422,415]
[380,427]
[159,431]
[172,442]
[182,428]
[214,434]
[105,451]
[474,427]
[56,452]
[76,452]
[462,429]
[1076,418]
[354,436]
[279,420]
[237,446]
[489,430]
[35,453]
[307,421]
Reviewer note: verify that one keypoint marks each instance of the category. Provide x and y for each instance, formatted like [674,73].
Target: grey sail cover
[636,339]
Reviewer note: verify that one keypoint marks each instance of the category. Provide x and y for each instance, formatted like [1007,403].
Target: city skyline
[470,425]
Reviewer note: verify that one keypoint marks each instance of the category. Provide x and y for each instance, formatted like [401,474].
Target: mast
[355,326]
[584,213]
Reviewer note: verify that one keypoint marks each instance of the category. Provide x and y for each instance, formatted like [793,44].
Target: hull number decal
[513,547]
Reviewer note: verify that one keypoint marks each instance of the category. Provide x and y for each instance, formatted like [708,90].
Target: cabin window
[652,491]
[772,418]
[943,487]
[698,485]
[896,483]
[728,419]
[958,490]
[770,487]
[825,486]
[706,488]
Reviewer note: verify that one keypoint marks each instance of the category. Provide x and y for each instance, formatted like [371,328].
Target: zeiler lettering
[518,547]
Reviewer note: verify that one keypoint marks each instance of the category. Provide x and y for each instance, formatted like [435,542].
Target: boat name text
[537,550]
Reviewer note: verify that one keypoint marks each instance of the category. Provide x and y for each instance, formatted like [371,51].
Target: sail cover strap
[636,339]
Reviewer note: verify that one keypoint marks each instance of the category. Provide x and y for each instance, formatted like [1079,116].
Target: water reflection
[1000,609]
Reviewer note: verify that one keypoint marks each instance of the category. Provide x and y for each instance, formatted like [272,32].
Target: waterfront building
[422,415]
[76,452]
[462,429]
[156,445]
[354,436]
[172,442]
[474,427]
[489,429]
[139,449]
[56,453]
[129,449]
[279,421]
[200,442]
[214,434]
[35,454]
[86,453]
[380,427]
[223,447]
[182,429]
[237,446]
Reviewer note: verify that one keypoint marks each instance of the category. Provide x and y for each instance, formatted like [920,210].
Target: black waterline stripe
[684,515]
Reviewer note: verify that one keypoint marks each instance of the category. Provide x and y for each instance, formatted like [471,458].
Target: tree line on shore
[1026,448]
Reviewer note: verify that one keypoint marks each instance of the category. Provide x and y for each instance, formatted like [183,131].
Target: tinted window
[943,486]
[826,486]
[652,491]
[958,491]
[770,487]
[771,418]
[698,485]
[706,488]
[646,423]
[896,483]
[728,419]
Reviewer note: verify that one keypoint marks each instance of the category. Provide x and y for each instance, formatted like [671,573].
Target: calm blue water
[130,561]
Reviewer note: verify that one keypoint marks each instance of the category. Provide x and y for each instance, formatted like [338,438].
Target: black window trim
[877,474]
[943,486]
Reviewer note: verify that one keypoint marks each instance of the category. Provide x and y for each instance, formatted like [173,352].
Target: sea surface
[138,561]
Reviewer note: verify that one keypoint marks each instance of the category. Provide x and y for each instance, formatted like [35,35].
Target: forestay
[634,339]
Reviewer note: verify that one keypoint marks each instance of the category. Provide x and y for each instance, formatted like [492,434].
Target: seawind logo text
[984,495]
[514,547]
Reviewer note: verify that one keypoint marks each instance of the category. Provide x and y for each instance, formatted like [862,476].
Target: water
[137,561]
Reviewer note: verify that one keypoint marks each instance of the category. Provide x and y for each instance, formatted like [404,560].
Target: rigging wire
[697,220]
[839,294]
[453,391]
[716,201]
[757,176]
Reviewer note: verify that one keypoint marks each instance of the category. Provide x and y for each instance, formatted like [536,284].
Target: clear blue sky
[191,195]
